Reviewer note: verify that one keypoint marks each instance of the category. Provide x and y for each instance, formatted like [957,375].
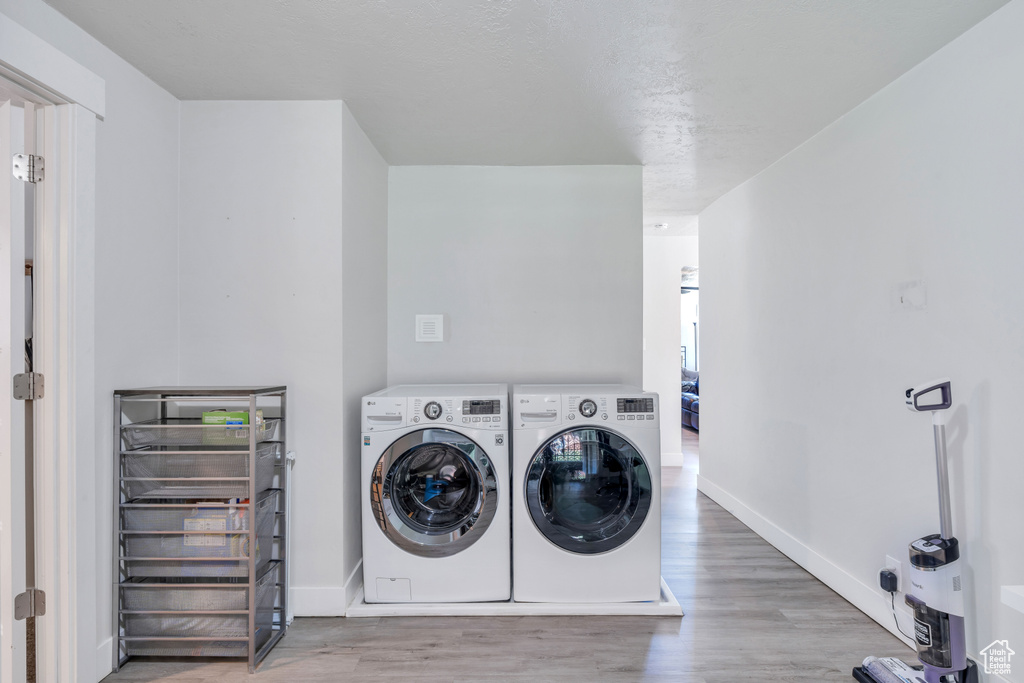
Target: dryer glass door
[434,492]
[588,490]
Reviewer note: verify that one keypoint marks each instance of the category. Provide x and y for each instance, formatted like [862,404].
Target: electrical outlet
[897,567]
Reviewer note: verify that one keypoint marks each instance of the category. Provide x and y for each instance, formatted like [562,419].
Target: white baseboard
[318,601]
[327,601]
[671,459]
[867,599]
[354,584]
[104,659]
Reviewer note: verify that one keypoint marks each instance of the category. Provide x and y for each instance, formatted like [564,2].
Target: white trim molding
[327,601]
[65,416]
[865,598]
[104,656]
[354,583]
[12,412]
[46,70]
[318,601]
[64,283]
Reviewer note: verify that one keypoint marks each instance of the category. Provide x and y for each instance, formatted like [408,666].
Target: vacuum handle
[929,396]
[942,472]
[933,397]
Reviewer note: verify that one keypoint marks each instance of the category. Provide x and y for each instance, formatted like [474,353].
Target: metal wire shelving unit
[200,510]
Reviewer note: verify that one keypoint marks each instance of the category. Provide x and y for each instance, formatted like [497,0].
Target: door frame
[12,329]
[65,429]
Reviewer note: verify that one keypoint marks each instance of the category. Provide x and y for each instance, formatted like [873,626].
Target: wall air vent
[430,328]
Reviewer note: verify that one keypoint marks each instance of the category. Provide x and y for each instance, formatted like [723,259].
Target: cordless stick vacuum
[936,585]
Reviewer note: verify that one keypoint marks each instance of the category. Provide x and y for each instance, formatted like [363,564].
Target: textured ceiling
[704,93]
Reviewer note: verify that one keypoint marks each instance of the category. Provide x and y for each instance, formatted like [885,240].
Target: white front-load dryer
[435,494]
[586,501]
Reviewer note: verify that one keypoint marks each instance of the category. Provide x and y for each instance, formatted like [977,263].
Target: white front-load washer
[435,494]
[586,482]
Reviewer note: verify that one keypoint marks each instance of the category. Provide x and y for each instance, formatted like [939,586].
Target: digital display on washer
[636,405]
[481,407]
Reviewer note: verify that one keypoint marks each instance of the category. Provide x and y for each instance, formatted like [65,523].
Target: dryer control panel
[610,409]
[537,410]
[585,405]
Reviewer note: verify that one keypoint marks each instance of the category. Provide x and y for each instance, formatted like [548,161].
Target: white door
[16,234]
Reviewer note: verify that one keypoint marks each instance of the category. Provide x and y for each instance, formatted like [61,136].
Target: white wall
[262,293]
[135,293]
[364,314]
[806,353]
[664,257]
[537,270]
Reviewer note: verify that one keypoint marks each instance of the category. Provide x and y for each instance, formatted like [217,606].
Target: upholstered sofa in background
[691,399]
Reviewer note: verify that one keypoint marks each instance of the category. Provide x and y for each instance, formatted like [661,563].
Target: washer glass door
[588,490]
[434,492]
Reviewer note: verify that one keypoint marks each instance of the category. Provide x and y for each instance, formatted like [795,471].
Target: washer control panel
[429,409]
[484,413]
[588,408]
[432,410]
[383,413]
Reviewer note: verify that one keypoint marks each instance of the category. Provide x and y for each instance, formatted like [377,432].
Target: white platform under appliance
[665,606]
[586,494]
[435,499]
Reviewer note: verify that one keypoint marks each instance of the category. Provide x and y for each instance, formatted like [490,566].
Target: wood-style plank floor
[752,616]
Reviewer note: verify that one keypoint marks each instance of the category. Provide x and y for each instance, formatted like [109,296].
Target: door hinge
[28,386]
[28,167]
[31,603]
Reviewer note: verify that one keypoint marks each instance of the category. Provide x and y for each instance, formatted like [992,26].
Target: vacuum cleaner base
[862,675]
[969,675]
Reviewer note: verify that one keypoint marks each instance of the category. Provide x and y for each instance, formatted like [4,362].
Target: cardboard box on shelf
[235,423]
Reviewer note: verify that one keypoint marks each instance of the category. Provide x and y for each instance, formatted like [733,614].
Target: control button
[572,416]
[449,418]
[497,419]
[631,417]
[588,408]
[650,417]
[604,416]
[465,419]
[622,417]
[487,419]
[433,410]
[416,419]
[476,419]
